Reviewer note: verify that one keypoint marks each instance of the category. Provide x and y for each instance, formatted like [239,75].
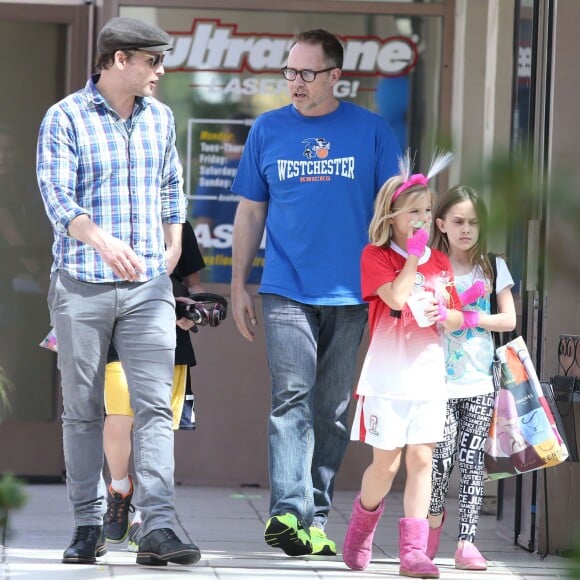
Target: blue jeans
[312,356]
[139,318]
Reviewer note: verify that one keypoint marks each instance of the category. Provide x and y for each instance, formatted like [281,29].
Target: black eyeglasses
[308,76]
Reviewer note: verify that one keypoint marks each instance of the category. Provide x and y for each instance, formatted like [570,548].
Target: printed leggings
[466,429]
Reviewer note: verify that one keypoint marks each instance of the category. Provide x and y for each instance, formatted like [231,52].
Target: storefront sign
[214,46]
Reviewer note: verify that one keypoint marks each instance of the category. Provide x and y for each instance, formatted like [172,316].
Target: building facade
[495,80]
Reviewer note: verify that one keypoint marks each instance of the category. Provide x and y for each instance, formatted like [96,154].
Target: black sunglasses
[153,60]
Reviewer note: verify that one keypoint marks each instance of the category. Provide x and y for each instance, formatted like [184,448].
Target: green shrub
[12,497]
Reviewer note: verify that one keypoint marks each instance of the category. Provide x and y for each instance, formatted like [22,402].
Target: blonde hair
[385,210]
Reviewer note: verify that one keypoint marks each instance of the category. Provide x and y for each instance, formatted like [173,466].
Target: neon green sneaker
[321,545]
[133,542]
[287,533]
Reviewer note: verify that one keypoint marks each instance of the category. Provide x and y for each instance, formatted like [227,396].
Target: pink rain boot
[358,542]
[434,539]
[413,533]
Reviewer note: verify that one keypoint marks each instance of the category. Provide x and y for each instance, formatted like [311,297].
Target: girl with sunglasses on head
[460,218]
[402,390]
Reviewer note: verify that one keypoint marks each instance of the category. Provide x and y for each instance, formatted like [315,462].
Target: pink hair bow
[415,179]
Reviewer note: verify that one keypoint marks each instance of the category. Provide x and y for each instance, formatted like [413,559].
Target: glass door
[48,48]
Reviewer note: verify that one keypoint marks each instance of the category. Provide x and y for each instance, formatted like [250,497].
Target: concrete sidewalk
[228,526]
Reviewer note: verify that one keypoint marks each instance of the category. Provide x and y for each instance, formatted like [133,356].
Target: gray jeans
[139,318]
[312,354]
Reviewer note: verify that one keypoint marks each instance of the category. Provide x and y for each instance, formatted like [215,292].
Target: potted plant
[12,497]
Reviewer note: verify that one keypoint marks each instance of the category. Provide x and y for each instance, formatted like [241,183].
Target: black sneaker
[87,545]
[161,546]
[116,520]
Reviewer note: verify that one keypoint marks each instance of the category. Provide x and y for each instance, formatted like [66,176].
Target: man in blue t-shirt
[308,174]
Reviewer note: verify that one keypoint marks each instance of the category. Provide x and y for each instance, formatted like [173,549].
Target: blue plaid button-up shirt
[125,175]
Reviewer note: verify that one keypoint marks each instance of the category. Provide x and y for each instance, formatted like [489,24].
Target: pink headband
[415,179]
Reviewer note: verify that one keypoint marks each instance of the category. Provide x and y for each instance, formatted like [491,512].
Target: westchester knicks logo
[317,147]
[317,166]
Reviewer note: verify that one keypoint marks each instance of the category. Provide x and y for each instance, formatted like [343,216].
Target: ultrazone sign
[213,46]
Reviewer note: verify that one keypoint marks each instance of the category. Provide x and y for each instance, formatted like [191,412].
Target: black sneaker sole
[184,557]
[280,536]
[326,551]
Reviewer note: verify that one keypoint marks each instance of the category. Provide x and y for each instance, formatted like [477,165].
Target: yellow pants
[117,401]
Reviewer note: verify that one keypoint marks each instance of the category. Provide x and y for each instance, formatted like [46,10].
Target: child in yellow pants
[117,391]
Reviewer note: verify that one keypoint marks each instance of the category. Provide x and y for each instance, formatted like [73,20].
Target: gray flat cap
[130,33]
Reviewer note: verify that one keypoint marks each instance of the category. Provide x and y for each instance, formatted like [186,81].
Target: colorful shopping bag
[523,435]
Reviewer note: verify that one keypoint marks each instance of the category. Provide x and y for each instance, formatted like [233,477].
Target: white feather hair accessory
[439,162]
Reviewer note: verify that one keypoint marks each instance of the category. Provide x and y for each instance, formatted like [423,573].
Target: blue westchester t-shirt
[319,176]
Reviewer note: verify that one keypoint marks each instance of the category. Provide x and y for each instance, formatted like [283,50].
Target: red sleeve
[377,269]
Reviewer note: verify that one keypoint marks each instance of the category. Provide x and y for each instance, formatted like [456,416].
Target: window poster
[214,149]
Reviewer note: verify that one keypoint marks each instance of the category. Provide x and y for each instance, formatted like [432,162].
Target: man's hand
[244,312]
[118,255]
[121,258]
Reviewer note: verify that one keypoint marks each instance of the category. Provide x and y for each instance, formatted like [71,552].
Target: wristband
[470,319]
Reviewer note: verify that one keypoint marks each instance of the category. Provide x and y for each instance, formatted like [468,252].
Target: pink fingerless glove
[442,310]
[416,244]
[477,290]
[470,319]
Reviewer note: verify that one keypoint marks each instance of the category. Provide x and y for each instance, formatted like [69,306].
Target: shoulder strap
[493,297]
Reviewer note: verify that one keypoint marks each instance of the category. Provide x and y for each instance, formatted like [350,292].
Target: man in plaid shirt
[111,182]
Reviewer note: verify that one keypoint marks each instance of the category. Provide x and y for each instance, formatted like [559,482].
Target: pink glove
[416,244]
[442,310]
[477,290]
[470,319]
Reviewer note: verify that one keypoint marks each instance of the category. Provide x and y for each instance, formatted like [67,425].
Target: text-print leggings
[466,429]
